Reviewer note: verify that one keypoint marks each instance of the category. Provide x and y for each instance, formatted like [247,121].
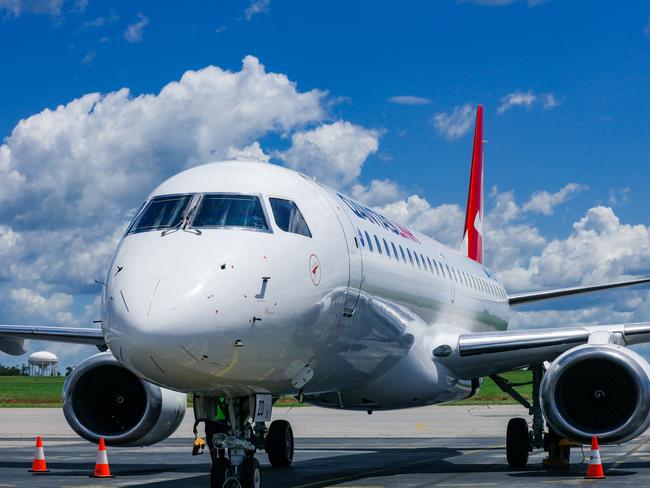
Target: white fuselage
[240,310]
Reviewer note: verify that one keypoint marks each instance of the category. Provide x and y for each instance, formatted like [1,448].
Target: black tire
[232,483]
[251,473]
[279,444]
[218,473]
[517,443]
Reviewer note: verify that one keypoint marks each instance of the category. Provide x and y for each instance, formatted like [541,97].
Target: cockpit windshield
[161,213]
[207,211]
[230,211]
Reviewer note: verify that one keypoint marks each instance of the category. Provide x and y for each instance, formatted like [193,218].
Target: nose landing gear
[233,451]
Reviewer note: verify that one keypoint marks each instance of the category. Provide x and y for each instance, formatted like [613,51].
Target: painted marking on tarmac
[576,481]
[631,452]
[343,479]
[466,485]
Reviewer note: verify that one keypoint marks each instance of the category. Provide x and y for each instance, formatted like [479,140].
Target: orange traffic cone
[101,465]
[38,464]
[595,468]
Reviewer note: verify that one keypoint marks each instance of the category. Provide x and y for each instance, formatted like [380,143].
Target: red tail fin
[472,244]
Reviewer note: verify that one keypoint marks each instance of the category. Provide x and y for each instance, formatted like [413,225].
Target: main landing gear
[233,458]
[520,440]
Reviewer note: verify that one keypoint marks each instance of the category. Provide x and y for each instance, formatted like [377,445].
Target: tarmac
[446,446]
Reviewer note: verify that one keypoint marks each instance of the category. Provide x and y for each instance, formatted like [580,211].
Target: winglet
[472,245]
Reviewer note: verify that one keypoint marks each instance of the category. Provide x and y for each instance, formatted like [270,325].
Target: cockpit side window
[230,211]
[162,212]
[288,217]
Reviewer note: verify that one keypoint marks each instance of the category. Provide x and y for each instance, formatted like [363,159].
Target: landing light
[442,351]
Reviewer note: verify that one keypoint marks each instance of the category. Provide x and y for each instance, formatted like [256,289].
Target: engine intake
[597,390]
[101,398]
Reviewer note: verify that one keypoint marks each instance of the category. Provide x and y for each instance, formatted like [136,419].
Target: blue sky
[565,86]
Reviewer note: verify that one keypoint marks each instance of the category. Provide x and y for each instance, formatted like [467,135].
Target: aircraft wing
[536,296]
[12,336]
[483,354]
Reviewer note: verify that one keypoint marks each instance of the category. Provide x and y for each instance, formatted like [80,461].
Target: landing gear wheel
[251,474]
[279,444]
[517,443]
[232,483]
[218,473]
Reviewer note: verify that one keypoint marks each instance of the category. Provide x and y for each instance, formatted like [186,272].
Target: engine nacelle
[599,390]
[101,398]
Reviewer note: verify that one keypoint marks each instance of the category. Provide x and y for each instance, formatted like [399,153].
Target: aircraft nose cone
[150,316]
[155,301]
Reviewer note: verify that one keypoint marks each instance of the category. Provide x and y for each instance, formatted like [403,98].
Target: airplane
[242,282]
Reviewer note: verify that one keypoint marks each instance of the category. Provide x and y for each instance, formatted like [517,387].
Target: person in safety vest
[215,423]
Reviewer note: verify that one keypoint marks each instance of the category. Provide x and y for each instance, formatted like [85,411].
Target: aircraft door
[452,287]
[355,282]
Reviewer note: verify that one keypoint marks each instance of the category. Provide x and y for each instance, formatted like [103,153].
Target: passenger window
[410,257]
[369,241]
[448,271]
[361,239]
[435,264]
[430,265]
[288,217]
[402,252]
[424,264]
[161,213]
[378,245]
[386,248]
[392,244]
[416,259]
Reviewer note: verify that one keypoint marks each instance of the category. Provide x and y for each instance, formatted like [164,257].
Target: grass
[491,394]
[27,391]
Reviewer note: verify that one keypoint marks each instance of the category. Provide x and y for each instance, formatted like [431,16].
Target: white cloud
[378,192]
[444,222]
[549,101]
[253,152]
[527,99]
[33,304]
[618,196]
[256,7]
[90,160]
[544,202]
[409,100]
[598,250]
[334,153]
[456,123]
[134,31]
[17,7]
[89,58]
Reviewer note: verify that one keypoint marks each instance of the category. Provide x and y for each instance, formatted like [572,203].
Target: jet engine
[601,390]
[101,398]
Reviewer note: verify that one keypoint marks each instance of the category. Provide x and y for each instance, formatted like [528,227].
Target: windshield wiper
[184,223]
[187,227]
[172,229]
